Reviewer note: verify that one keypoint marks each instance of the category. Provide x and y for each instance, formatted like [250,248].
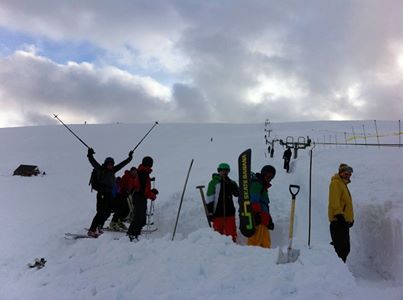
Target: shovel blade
[287,257]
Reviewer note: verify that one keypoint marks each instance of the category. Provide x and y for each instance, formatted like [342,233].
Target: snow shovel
[292,254]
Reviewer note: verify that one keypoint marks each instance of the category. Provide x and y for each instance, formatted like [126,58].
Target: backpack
[94,180]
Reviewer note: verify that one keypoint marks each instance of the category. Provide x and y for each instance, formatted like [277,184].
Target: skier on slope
[340,211]
[219,201]
[127,185]
[260,183]
[140,198]
[106,180]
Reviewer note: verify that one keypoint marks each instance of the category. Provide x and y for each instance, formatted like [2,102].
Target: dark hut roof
[27,170]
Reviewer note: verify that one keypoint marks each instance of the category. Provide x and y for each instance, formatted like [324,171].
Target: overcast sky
[200,61]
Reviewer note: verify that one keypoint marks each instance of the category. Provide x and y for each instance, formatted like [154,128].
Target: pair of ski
[76,236]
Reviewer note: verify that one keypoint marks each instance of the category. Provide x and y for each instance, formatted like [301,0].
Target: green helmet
[223,166]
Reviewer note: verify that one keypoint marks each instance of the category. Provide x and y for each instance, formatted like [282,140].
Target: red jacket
[128,183]
[144,182]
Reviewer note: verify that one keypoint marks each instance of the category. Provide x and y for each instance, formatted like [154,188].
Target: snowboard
[246,224]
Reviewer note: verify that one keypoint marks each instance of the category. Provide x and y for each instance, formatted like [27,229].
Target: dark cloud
[191,104]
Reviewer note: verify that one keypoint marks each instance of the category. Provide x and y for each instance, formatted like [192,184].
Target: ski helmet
[147,161]
[223,166]
[109,160]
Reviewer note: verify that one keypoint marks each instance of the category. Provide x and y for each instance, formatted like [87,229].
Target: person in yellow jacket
[340,211]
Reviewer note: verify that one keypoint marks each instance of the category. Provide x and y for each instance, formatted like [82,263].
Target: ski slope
[199,264]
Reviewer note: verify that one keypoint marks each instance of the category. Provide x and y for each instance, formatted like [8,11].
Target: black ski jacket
[106,177]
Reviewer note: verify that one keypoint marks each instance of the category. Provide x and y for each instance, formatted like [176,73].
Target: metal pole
[310,197]
[365,136]
[376,129]
[155,124]
[400,135]
[355,140]
[183,194]
[71,131]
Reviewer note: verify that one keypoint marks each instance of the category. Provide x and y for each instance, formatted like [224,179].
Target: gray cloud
[40,87]
[240,61]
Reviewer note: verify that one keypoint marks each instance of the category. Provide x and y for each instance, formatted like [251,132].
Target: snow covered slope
[199,264]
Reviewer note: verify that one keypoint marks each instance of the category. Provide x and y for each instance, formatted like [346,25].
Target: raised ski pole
[148,132]
[183,194]
[200,187]
[71,131]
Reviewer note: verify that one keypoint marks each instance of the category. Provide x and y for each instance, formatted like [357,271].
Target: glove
[258,218]
[340,218]
[271,225]
[155,191]
[131,154]
[90,152]
[351,224]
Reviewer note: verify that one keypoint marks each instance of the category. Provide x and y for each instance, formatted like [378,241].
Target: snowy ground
[199,264]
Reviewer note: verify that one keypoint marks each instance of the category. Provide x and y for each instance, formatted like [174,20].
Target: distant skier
[127,185]
[140,198]
[105,180]
[340,211]
[260,183]
[287,158]
[220,204]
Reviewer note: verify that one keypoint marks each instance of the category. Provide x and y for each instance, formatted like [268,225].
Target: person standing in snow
[260,183]
[287,158]
[140,197]
[106,180]
[340,211]
[127,185]
[220,204]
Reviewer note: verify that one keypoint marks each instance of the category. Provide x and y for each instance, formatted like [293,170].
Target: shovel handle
[294,186]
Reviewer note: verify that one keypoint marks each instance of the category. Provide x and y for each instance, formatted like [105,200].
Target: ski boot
[114,226]
[133,238]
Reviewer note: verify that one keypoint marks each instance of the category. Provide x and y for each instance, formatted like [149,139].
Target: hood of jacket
[337,177]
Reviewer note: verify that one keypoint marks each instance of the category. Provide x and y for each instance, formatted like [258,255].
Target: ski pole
[183,194]
[150,221]
[138,144]
[71,131]
[149,214]
[200,187]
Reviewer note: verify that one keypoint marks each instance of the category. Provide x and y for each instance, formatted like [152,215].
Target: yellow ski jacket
[340,201]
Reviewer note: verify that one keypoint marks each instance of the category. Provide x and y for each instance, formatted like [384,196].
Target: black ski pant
[121,208]
[139,217]
[287,165]
[340,233]
[104,209]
